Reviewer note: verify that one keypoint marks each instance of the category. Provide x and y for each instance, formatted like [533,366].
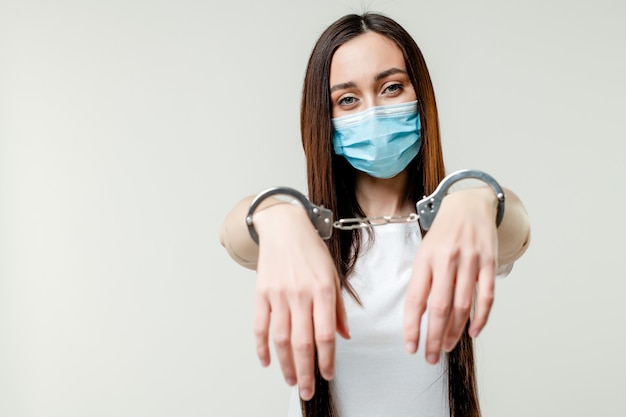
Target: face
[367,71]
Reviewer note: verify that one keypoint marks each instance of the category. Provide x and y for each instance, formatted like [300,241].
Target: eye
[393,88]
[347,101]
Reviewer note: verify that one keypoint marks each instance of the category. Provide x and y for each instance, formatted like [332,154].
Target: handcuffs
[427,207]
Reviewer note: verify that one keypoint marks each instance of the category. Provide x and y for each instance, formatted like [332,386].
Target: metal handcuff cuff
[427,207]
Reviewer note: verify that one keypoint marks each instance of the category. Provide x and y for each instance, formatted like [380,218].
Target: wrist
[320,217]
[480,197]
[282,222]
[428,206]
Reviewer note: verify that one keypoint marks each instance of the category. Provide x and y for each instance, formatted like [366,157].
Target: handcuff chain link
[353,223]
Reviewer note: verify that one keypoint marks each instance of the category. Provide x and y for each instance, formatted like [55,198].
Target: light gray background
[129,128]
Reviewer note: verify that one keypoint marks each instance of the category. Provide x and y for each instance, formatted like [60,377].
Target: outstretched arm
[234,235]
[297,288]
[461,251]
[514,231]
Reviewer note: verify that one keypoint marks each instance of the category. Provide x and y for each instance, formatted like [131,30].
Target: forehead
[364,57]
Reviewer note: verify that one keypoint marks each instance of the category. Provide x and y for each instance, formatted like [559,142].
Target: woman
[367,84]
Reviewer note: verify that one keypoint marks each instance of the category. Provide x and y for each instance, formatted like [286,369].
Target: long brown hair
[331,181]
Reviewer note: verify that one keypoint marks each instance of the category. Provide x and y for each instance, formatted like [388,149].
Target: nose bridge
[370,100]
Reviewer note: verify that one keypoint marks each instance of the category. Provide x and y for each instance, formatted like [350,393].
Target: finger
[282,340]
[261,328]
[462,304]
[484,299]
[325,323]
[415,303]
[303,347]
[440,303]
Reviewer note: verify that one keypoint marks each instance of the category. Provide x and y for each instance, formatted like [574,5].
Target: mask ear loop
[428,207]
[321,217]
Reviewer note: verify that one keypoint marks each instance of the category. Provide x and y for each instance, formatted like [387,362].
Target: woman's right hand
[298,289]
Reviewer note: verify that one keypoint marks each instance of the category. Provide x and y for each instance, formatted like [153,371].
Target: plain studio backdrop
[128,129]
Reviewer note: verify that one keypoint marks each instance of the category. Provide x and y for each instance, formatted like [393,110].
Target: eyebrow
[387,73]
[342,86]
[378,77]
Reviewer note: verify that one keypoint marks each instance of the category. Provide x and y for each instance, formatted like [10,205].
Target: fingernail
[410,347]
[291,381]
[432,358]
[305,394]
[474,333]
[264,362]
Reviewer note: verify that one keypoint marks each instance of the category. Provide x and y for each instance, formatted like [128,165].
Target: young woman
[371,138]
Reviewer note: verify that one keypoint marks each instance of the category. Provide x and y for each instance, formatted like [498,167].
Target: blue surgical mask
[380,141]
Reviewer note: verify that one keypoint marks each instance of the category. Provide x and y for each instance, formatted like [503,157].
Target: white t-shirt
[374,375]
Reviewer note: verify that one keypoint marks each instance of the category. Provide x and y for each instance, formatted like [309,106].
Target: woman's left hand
[458,252]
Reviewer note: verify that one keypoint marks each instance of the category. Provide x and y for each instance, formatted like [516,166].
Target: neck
[383,197]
